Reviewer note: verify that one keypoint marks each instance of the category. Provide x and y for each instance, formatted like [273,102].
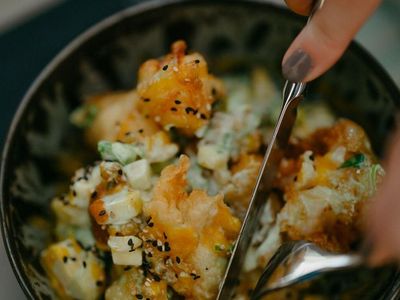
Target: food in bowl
[157,216]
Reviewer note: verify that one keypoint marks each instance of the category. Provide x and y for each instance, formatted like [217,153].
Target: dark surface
[26,49]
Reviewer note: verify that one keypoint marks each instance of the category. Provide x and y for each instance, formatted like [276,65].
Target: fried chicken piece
[240,187]
[189,235]
[324,195]
[113,117]
[177,90]
[134,285]
[74,272]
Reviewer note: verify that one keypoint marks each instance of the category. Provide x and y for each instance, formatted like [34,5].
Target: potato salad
[157,213]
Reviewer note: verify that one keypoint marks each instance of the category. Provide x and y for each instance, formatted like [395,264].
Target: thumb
[324,39]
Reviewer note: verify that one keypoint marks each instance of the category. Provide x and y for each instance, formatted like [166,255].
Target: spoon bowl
[297,261]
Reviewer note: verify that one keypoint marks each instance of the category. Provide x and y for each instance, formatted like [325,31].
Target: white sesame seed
[175,69]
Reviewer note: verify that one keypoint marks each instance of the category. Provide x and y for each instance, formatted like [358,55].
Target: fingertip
[300,7]
[379,256]
[327,36]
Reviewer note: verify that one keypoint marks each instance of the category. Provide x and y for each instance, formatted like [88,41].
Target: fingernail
[297,66]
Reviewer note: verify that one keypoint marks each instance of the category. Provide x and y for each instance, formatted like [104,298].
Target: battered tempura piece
[189,236]
[326,196]
[177,90]
[114,117]
[134,285]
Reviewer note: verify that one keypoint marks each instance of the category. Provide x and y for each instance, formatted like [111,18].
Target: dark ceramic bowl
[233,35]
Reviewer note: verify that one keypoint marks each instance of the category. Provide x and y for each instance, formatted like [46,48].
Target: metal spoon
[295,262]
[292,95]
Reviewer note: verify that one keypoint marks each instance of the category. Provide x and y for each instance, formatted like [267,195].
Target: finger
[324,39]
[384,217]
[301,7]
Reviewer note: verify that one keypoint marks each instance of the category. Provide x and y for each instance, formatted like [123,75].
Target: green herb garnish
[355,161]
[84,116]
[218,248]
[122,153]
[373,173]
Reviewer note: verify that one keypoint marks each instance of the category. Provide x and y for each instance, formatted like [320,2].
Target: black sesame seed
[65,259]
[132,250]
[127,268]
[191,110]
[93,195]
[203,116]
[156,277]
[154,243]
[174,109]
[159,248]
[149,254]
[141,130]
[295,178]
[178,101]
[214,91]
[130,242]
[84,264]
[99,283]
[167,248]
[206,269]
[102,213]
[139,296]
[165,236]
[165,68]
[74,193]
[178,259]
[120,172]
[195,276]
[73,258]
[197,61]
[151,224]
[146,100]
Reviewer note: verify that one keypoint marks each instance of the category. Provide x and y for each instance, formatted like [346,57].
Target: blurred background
[32,32]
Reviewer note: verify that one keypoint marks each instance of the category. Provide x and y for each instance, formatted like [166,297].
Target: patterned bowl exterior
[233,35]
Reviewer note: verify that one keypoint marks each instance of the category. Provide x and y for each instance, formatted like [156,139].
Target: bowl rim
[8,231]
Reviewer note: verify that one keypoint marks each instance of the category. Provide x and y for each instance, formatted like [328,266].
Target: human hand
[383,223]
[321,43]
